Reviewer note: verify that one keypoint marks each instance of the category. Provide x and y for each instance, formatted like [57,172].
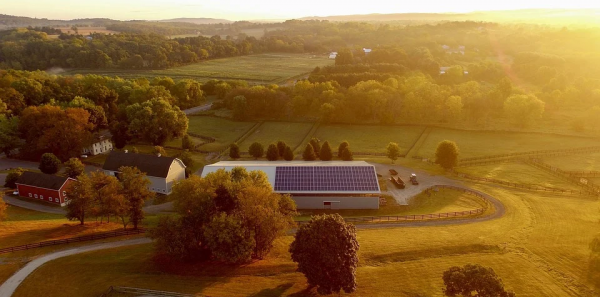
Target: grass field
[533,249]
[223,130]
[519,173]
[262,68]
[477,143]
[576,162]
[370,139]
[446,200]
[269,132]
[86,30]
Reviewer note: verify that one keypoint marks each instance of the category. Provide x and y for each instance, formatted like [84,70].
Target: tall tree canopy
[483,281]
[156,121]
[446,154]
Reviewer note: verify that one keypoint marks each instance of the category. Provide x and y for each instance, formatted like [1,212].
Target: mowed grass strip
[483,143]
[576,162]
[223,130]
[270,132]
[261,68]
[369,138]
[520,174]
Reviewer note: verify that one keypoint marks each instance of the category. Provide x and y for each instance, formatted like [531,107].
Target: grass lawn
[223,130]
[261,68]
[477,143]
[270,132]
[519,173]
[446,200]
[576,162]
[539,248]
[369,139]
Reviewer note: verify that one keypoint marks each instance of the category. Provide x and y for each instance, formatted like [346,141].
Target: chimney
[126,151]
[158,154]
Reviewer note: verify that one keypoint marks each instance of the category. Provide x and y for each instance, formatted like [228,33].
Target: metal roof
[150,164]
[41,180]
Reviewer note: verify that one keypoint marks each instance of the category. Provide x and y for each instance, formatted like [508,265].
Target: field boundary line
[539,152]
[308,135]
[241,138]
[95,236]
[144,292]
[580,181]
[414,148]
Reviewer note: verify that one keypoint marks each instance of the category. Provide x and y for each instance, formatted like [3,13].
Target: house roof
[150,164]
[41,180]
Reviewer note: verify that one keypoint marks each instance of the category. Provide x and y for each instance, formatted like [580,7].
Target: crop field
[531,247]
[270,132]
[262,68]
[223,130]
[86,30]
[369,139]
[519,173]
[576,162]
[479,143]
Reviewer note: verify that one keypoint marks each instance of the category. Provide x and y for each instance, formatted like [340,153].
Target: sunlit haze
[260,9]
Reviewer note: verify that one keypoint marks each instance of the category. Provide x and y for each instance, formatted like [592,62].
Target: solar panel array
[325,179]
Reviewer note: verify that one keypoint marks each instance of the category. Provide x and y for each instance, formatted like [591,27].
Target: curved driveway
[10,285]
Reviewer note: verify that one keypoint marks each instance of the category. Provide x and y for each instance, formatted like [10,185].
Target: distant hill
[562,16]
[9,21]
[198,21]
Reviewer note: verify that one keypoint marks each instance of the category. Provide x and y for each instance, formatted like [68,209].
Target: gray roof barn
[41,180]
[150,164]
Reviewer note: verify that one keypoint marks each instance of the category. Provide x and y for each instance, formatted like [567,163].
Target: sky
[259,9]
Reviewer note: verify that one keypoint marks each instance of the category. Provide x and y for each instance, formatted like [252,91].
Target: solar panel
[325,179]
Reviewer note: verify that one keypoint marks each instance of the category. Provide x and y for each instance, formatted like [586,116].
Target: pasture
[576,162]
[531,247]
[369,139]
[223,130]
[270,132]
[483,143]
[86,30]
[261,68]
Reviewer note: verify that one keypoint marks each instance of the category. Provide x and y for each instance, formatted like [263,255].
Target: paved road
[9,286]
[197,109]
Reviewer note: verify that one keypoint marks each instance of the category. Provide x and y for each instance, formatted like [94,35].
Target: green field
[532,248]
[480,143]
[223,130]
[576,162]
[520,174]
[369,139]
[262,68]
[269,132]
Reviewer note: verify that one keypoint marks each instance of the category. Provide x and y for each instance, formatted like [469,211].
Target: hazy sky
[259,9]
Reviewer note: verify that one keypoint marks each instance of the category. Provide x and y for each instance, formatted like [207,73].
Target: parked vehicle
[398,182]
[413,179]
[16,193]
[393,172]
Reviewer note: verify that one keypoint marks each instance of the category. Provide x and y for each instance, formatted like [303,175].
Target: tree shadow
[308,292]
[593,271]
[273,292]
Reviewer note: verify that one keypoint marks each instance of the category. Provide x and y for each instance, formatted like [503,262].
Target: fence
[72,240]
[540,152]
[115,291]
[416,217]
[591,187]
[583,173]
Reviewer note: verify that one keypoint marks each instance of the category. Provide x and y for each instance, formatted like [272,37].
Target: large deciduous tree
[9,134]
[446,154]
[12,177]
[136,192]
[272,152]
[393,151]
[156,121]
[464,281]
[3,208]
[523,109]
[49,163]
[326,250]
[73,168]
[234,151]
[81,199]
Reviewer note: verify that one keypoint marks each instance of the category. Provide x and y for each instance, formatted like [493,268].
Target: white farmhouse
[101,144]
[332,55]
[162,172]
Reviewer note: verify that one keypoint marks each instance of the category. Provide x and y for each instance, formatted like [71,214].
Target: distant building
[317,185]
[444,69]
[450,50]
[366,50]
[89,38]
[162,172]
[100,145]
[332,55]
[44,187]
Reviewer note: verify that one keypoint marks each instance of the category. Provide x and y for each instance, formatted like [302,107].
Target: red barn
[44,187]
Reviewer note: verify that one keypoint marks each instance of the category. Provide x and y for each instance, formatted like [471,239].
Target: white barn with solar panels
[317,184]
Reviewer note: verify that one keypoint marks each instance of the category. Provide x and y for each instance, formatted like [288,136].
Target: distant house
[332,55]
[444,69]
[89,38]
[101,144]
[366,50]
[44,187]
[162,172]
[450,50]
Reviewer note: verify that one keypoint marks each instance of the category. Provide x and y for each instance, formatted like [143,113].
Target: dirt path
[9,286]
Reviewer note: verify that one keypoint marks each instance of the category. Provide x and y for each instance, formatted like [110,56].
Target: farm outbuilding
[317,185]
[44,187]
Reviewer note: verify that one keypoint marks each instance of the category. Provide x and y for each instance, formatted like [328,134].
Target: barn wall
[304,202]
[24,191]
